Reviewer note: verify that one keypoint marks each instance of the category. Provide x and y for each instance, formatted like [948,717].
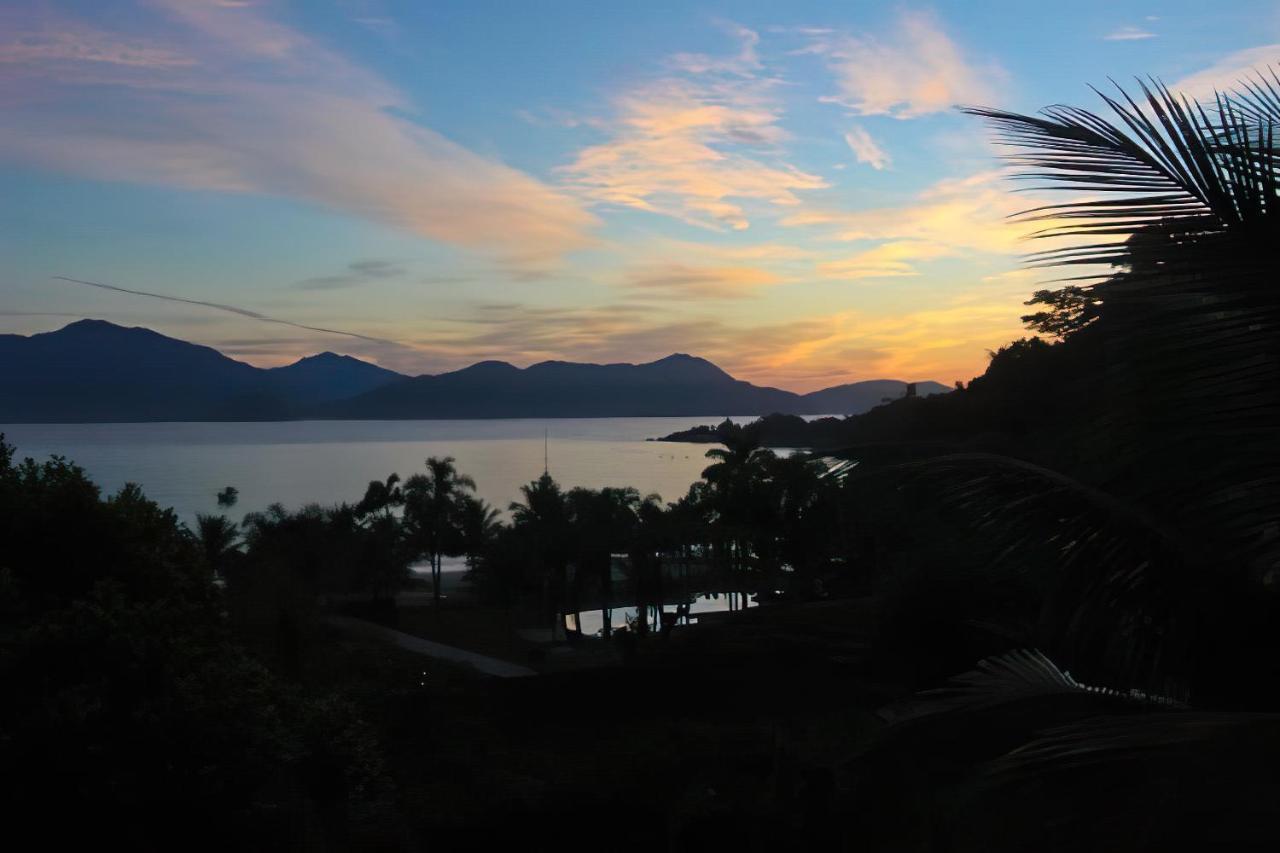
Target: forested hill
[1032,393]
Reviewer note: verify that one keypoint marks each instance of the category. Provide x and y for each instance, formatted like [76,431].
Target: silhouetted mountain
[329,376]
[92,370]
[675,385]
[97,371]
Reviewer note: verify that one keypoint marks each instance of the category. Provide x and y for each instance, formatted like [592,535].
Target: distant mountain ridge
[92,370]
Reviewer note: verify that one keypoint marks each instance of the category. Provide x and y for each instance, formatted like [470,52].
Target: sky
[785,188]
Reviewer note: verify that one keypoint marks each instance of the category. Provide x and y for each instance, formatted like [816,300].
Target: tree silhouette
[219,540]
[121,673]
[1181,198]
[541,521]
[651,537]
[381,496]
[432,504]
[602,523]
[734,477]
[478,523]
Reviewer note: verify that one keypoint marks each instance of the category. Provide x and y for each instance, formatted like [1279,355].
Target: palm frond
[1192,173]
[1016,676]
[1124,588]
[1187,780]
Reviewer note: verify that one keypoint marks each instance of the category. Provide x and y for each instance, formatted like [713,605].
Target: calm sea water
[183,465]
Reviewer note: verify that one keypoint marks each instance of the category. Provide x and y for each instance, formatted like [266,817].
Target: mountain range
[95,371]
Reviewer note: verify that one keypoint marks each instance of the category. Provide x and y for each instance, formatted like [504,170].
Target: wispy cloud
[219,97]
[1227,73]
[357,273]
[865,148]
[913,71]
[888,260]
[683,280]
[702,145]
[1129,33]
[954,217]
[57,40]
[746,62]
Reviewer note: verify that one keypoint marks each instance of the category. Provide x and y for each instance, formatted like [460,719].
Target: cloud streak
[220,98]
[229,309]
[357,273]
[1129,34]
[716,282]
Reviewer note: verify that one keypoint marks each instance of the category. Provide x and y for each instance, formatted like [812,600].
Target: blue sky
[784,188]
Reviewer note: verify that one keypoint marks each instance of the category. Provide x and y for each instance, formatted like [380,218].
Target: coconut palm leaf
[1017,676]
[1182,197]
[1125,591]
[1186,780]
[1191,172]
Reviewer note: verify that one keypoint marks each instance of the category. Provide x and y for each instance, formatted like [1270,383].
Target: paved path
[439,651]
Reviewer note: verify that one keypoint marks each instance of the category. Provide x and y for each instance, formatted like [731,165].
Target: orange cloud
[888,260]
[955,217]
[700,147]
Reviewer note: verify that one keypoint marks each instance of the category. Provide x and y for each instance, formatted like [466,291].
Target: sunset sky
[784,188]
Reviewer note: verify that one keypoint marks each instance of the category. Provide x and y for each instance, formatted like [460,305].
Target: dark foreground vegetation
[1039,613]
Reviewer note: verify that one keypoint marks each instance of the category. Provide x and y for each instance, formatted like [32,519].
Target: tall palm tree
[602,524]
[649,538]
[478,523]
[219,539]
[431,511]
[543,520]
[735,475]
[741,452]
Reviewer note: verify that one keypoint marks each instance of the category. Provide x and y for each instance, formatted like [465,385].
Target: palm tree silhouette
[478,523]
[381,497]
[543,519]
[650,537]
[602,524]
[431,512]
[1181,202]
[219,539]
[735,476]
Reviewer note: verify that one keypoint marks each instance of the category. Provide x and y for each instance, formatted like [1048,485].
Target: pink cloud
[914,71]
[227,100]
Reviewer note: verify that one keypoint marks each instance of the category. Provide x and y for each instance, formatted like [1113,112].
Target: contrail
[231,309]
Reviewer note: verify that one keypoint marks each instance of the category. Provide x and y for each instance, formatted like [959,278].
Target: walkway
[438,651]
